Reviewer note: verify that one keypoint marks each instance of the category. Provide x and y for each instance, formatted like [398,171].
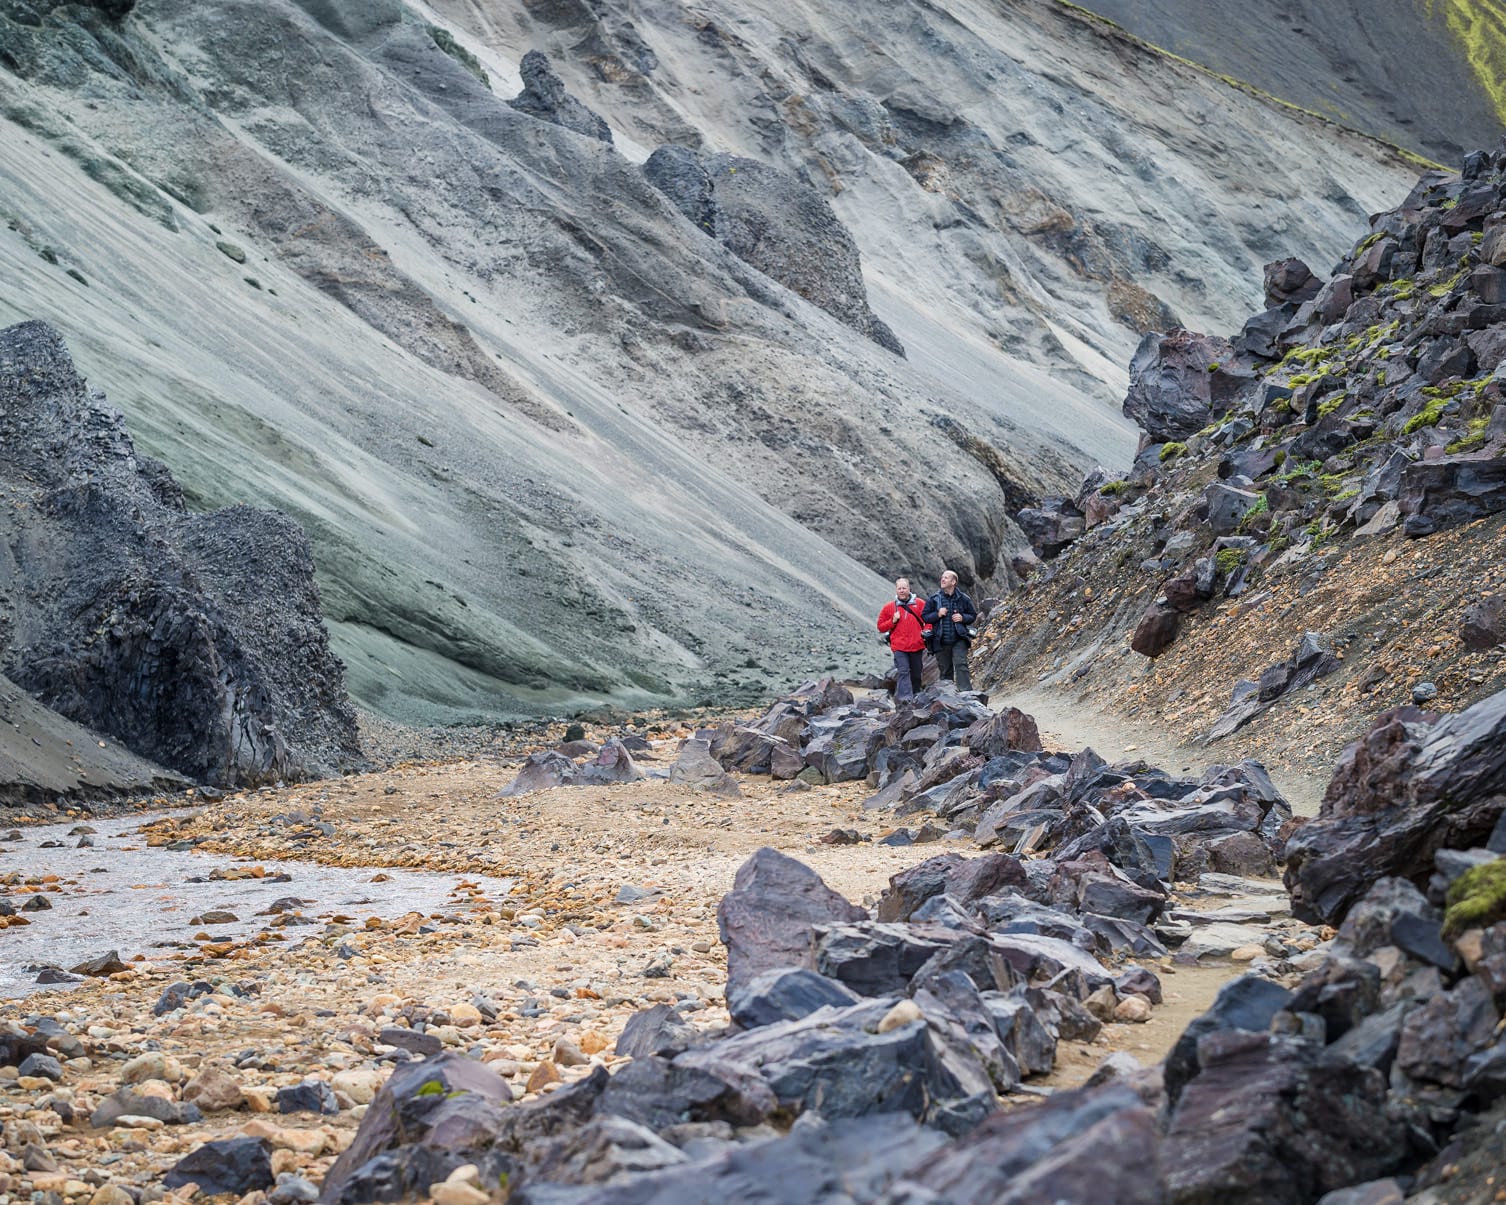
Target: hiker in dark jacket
[950,614]
[900,623]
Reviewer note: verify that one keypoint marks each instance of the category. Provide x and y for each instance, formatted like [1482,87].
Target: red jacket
[909,634]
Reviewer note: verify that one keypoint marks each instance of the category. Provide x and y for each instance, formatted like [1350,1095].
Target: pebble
[151,1065]
[545,1073]
[568,1054]
[903,1013]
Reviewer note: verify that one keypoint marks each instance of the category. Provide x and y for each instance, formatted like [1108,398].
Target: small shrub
[1170,451]
[1228,560]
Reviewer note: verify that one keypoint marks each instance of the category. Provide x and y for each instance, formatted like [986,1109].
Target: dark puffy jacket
[907,632]
[953,627]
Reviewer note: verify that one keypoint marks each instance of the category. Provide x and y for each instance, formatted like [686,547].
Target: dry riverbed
[522,931]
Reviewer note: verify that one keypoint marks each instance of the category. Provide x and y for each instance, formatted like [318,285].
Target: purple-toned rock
[1451,490]
[1052,525]
[656,1030]
[966,880]
[697,769]
[1483,625]
[229,1165]
[767,920]
[541,771]
[1005,731]
[1411,786]
[1192,587]
[1288,280]
[1175,381]
[841,1063]
[612,764]
[411,1127]
[1267,1119]
[1156,632]
[787,994]
[1057,1151]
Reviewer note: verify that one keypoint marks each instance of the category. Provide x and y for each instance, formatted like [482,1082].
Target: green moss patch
[1477,899]
[445,40]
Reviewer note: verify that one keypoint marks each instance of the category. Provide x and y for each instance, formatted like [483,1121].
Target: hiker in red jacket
[901,625]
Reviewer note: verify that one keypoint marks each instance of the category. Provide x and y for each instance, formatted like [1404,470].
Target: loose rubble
[894,1050]
[1332,479]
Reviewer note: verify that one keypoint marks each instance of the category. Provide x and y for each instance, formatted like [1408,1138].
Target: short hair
[897,581]
[946,573]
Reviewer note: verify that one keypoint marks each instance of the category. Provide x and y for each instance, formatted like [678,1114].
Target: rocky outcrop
[544,96]
[1356,409]
[45,758]
[781,226]
[1413,785]
[195,640]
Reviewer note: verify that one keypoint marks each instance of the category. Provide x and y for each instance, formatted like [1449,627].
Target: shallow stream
[119,894]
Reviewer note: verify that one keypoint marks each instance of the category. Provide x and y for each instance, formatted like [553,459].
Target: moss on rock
[1477,899]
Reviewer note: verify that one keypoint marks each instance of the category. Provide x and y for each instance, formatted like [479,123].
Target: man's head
[948,580]
[902,589]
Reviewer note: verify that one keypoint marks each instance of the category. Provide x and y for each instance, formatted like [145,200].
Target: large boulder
[1436,494]
[429,1118]
[1413,785]
[768,919]
[1268,1119]
[193,639]
[1079,1146]
[1176,381]
[851,1063]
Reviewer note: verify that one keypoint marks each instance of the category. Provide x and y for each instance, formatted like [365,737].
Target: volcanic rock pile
[1373,399]
[193,639]
[985,774]
[869,1051]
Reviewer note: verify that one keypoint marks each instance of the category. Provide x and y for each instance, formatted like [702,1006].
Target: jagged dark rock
[544,96]
[1413,785]
[414,1135]
[195,640]
[1175,382]
[228,1165]
[767,921]
[1268,1119]
[1054,1152]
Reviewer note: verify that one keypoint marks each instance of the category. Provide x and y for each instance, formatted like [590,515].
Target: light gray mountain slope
[1400,70]
[554,445]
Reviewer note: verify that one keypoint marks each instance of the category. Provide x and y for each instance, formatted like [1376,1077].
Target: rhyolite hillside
[564,430]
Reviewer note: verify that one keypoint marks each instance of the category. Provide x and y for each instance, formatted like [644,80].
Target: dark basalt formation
[872,1053]
[544,96]
[1368,404]
[194,640]
[782,227]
